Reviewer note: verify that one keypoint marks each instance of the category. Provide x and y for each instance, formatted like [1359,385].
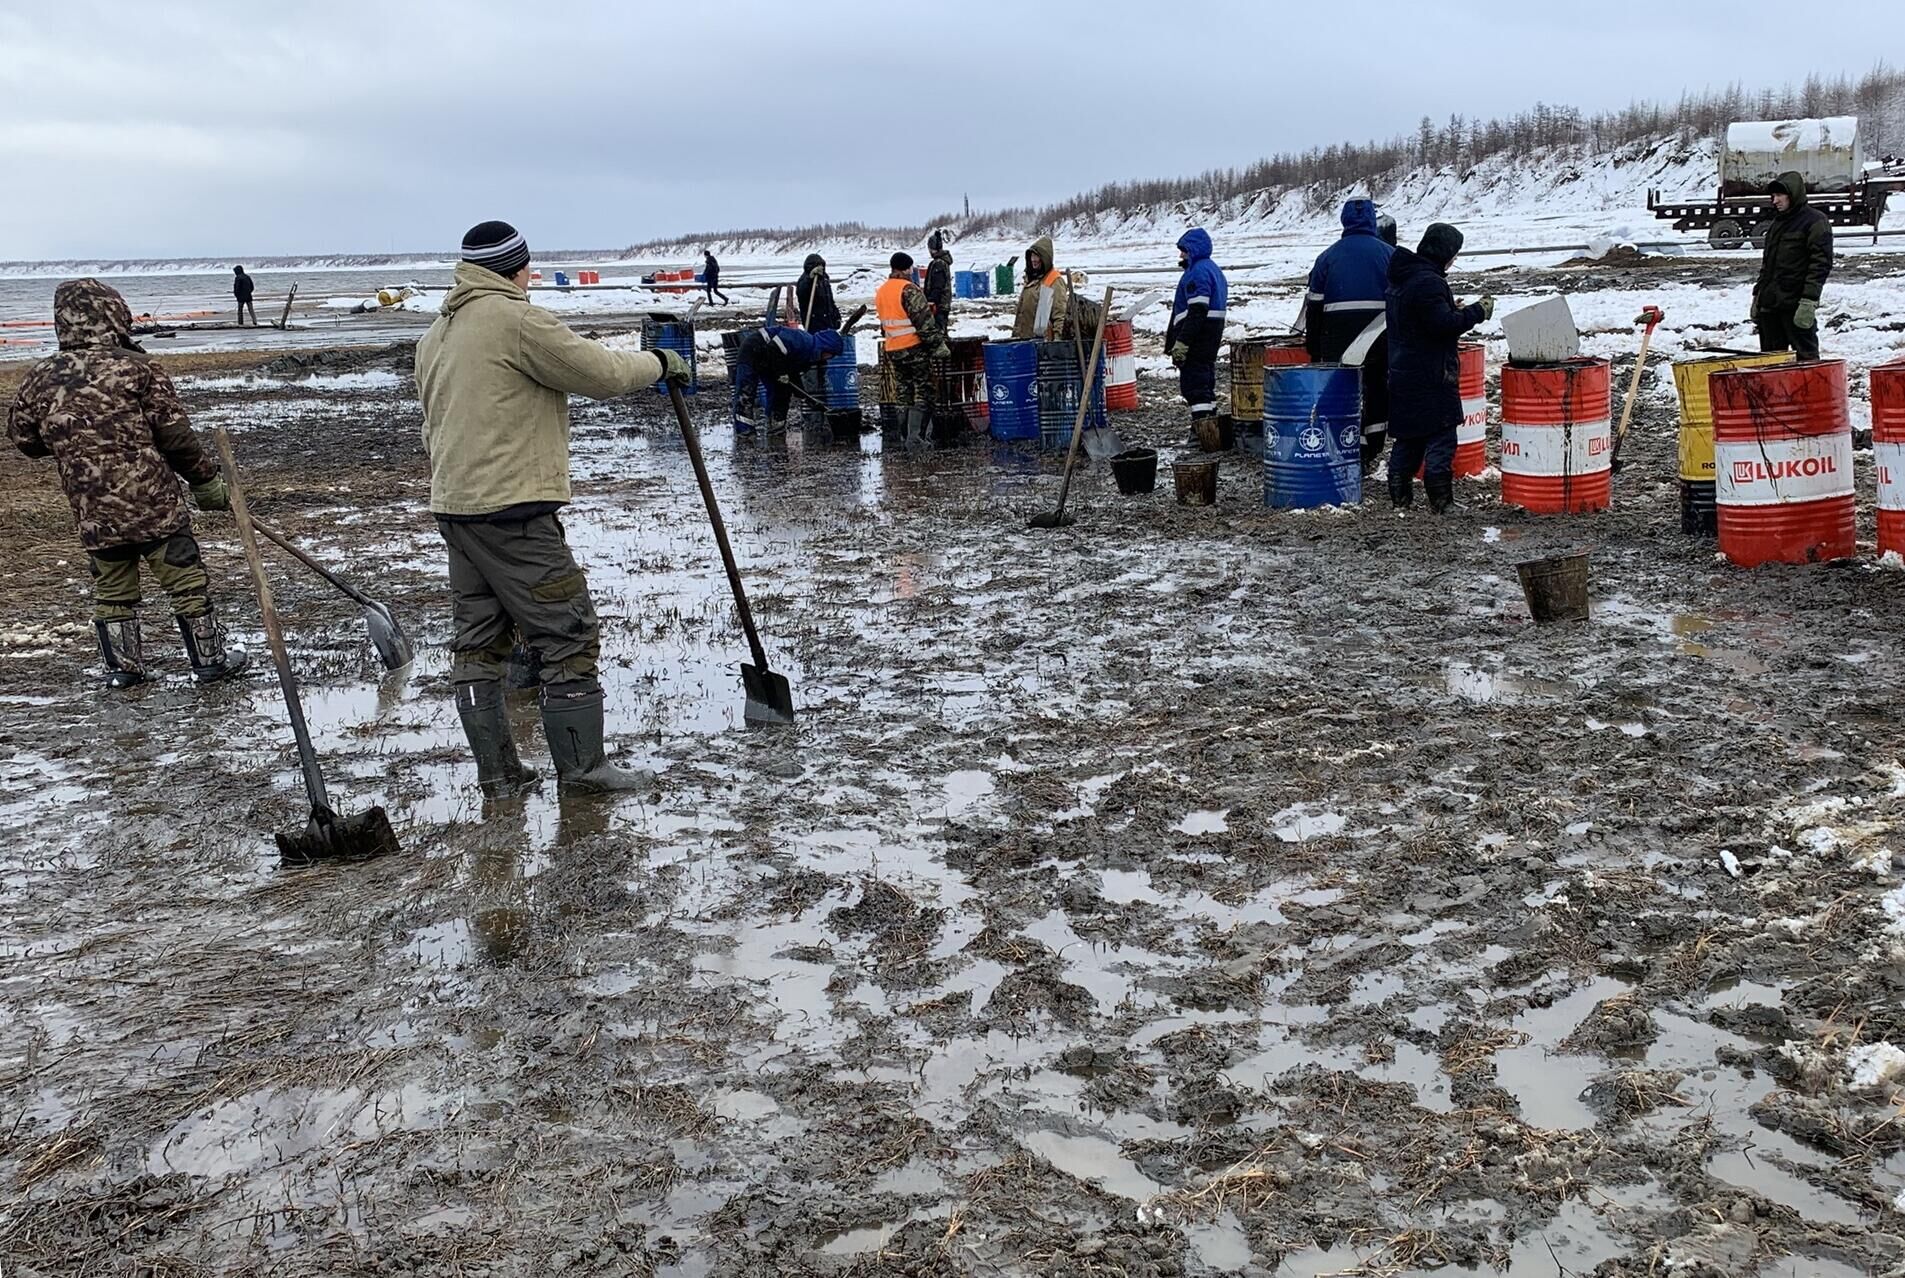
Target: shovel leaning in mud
[1058,518]
[769,699]
[386,636]
[326,836]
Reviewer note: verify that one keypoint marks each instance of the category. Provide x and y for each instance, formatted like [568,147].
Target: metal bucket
[1196,482]
[1136,470]
[1556,588]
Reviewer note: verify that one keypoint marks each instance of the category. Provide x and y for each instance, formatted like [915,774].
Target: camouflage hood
[1043,247]
[88,315]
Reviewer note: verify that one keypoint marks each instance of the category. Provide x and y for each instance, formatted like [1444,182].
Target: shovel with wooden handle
[1057,518]
[326,836]
[1651,317]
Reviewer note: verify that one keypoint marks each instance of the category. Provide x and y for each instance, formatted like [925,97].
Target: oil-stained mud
[1186,892]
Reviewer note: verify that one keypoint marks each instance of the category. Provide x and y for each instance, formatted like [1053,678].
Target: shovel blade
[387,637]
[769,698]
[1103,444]
[1052,519]
[329,837]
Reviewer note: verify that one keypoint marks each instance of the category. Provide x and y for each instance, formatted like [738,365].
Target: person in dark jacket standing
[1793,272]
[1425,327]
[711,276]
[939,281]
[1196,331]
[1346,314]
[242,287]
[813,296]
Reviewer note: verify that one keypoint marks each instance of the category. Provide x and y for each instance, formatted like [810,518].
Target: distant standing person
[494,375]
[912,337]
[813,296]
[1425,328]
[939,281]
[1045,302]
[1793,271]
[711,276]
[1347,308]
[242,287]
[1196,331]
[108,415]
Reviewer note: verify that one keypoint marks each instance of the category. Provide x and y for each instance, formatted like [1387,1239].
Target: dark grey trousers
[518,575]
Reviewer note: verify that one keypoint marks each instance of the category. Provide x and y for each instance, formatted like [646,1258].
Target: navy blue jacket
[1425,330]
[710,269]
[1348,285]
[798,349]
[1197,312]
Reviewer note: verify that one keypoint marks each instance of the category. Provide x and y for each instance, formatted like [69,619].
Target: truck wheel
[1726,234]
[1760,231]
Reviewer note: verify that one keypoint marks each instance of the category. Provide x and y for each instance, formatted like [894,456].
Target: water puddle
[1204,822]
[1547,1084]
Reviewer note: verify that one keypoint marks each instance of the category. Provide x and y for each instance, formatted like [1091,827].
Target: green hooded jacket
[1798,254]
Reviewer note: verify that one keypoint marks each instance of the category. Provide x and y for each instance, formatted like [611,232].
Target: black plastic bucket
[1136,470]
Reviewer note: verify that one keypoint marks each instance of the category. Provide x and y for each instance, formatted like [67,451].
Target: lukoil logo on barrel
[1766,470]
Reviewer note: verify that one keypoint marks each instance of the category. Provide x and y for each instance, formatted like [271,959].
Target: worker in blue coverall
[1345,315]
[778,355]
[1196,331]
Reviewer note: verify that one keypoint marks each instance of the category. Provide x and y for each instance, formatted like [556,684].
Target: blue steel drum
[843,378]
[679,338]
[1012,389]
[1313,436]
[982,283]
[962,284]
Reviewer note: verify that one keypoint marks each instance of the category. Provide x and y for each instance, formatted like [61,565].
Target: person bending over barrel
[777,355]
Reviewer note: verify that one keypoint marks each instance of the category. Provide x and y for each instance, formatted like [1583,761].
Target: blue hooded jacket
[1197,312]
[1347,284]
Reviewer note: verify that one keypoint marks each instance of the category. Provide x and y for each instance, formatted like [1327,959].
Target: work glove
[1180,351]
[1807,314]
[1488,306]
[674,368]
[212,494]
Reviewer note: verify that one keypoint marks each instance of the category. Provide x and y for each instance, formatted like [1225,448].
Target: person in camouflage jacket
[110,419]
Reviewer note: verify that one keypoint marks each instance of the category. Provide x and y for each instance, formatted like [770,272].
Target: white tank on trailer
[1827,153]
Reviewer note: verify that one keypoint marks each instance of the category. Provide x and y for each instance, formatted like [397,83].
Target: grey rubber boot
[574,728]
[499,771]
[123,650]
[205,649]
[917,433]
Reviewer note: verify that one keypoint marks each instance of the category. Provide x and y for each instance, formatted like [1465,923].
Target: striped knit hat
[497,245]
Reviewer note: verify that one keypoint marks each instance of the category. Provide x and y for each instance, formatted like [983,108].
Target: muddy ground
[1193,891]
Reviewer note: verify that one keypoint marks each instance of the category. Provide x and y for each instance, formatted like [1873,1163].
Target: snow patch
[1873,1065]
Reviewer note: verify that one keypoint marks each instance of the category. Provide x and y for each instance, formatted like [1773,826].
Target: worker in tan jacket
[1045,302]
[495,375]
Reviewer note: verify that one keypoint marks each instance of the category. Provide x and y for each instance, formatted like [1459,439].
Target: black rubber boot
[574,728]
[1402,489]
[499,771]
[1441,490]
[123,650]
[1372,451]
[205,649]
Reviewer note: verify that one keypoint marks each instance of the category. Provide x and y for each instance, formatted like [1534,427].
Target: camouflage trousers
[912,377]
[518,575]
[173,562]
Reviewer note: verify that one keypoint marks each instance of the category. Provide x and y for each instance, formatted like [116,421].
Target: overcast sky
[207,127]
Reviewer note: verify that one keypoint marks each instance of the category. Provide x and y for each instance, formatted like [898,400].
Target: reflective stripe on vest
[895,324]
[1043,320]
